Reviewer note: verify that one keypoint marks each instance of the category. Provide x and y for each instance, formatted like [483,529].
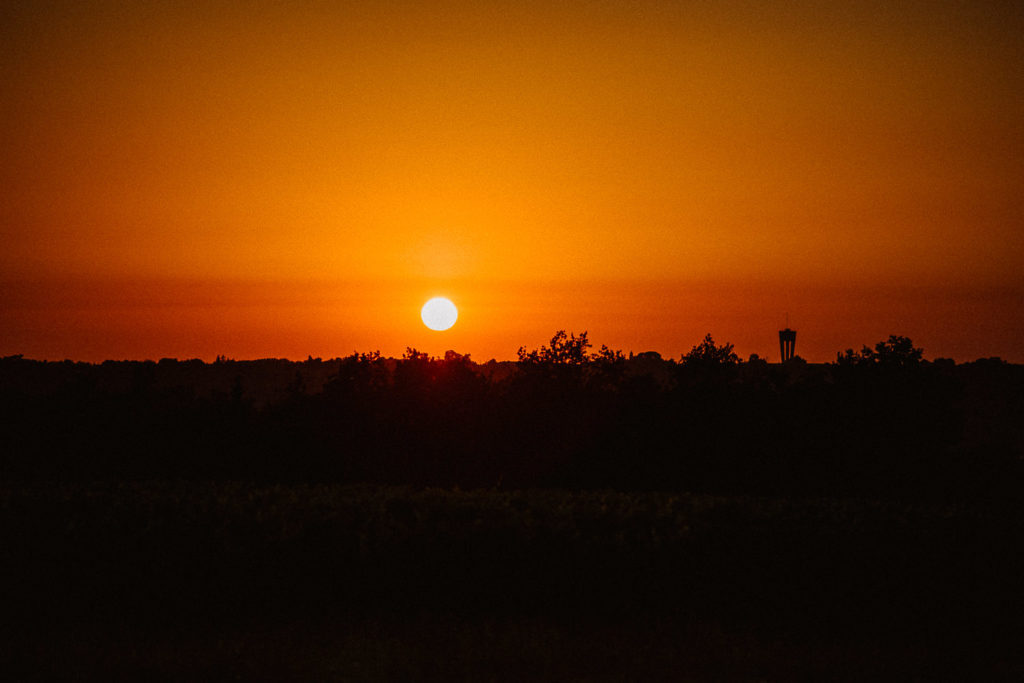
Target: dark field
[571,516]
[187,580]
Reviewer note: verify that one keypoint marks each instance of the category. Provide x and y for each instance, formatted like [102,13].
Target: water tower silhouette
[787,342]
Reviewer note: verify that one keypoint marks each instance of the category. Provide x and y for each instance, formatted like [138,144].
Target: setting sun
[439,314]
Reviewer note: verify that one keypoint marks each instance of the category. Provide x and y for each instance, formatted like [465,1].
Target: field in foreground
[191,581]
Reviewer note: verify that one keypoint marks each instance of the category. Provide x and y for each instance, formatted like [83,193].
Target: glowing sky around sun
[282,179]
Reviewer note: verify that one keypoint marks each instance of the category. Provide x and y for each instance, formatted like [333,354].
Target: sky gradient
[290,179]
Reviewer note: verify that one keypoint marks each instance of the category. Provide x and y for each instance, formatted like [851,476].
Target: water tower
[787,343]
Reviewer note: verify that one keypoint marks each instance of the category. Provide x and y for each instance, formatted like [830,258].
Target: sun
[439,313]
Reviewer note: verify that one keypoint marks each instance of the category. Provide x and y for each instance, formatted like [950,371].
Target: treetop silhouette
[709,353]
[896,352]
[565,349]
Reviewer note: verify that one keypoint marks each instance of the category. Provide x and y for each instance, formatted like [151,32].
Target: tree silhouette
[895,352]
[709,353]
[565,349]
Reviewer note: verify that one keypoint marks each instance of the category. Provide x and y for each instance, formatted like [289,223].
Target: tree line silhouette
[881,423]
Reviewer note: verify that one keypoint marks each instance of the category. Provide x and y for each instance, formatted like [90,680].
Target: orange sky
[291,179]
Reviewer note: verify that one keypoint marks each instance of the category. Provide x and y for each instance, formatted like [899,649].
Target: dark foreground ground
[229,581]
